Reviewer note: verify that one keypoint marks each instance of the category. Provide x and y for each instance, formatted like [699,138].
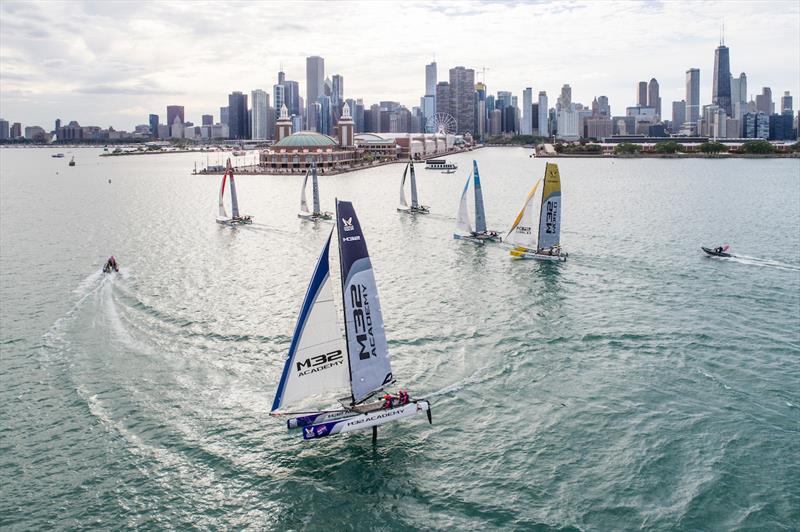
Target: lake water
[638,385]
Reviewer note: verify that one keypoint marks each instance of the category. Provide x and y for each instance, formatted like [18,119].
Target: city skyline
[104,72]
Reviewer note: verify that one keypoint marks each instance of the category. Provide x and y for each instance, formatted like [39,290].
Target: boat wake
[767,263]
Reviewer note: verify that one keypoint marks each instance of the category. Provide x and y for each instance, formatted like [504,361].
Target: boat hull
[364,421]
[239,221]
[480,238]
[522,253]
[714,253]
[422,209]
[315,216]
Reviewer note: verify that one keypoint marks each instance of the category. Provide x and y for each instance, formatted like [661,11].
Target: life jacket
[387,401]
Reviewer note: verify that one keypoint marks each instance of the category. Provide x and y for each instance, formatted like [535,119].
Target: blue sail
[480,213]
[368,352]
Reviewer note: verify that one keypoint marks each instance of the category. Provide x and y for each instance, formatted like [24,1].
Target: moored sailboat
[236,218]
[545,244]
[415,207]
[321,361]
[464,229]
[316,214]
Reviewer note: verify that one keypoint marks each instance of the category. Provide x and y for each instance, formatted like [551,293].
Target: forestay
[463,226]
[317,355]
[550,213]
[480,213]
[370,368]
[521,232]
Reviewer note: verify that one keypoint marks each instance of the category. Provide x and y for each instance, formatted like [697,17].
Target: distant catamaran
[316,214]
[521,235]
[320,361]
[415,208]
[464,229]
[236,218]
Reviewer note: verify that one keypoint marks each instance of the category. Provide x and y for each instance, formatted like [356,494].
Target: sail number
[362,321]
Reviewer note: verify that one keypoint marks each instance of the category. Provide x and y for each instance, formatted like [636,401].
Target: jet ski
[111,265]
[720,251]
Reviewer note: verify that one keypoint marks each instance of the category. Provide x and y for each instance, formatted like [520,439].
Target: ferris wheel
[442,123]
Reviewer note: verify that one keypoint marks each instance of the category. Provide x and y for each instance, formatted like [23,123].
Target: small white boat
[448,171]
[236,218]
[415,207]
[546,246]
[464,229]
[316,214]
[320,361]
[239,153]
[58,155]
[440,164]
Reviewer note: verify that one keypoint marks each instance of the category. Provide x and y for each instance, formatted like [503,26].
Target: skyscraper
[291,97]
[544,130]
[739,95]
[678,115]
[237,115]
[786,103]
[764,101]
[462,98]
[442,98]
[653,98]
[153,121]
[526,127]
[337,93]
[259,127]
[4,129]
[430,79]
[721,85]
[565,100]
[278,97]
[315,79]
[324,115]
[480,109]
[174,111]
[641,95]
[692,98]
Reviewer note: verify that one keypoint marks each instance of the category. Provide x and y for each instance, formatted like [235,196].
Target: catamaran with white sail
[316,214]
[464,229]
[321,361]
[236,218]
[545,244]
[415,207]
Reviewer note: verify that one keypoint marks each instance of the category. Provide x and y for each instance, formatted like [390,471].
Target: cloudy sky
[111,63]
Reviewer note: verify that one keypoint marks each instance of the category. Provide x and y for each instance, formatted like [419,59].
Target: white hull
[479,239]
[315,216]
[364,421]
[238,221]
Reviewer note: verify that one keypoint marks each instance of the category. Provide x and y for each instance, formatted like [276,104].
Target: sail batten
[480,213]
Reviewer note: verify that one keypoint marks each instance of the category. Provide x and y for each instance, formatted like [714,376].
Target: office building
[223,115]
[678,115]
[641,94]
[721,85]
[442,98]
[238,116]
[526,125]
[259,127]
[780,127]
[692,99]
[324,115]
[462,98]
[565,99]
[544,130]
[207,120]
[653,97]
[337,91]
[764,101]
[278,95]
[315,79]
[786,103]
[430,79]
[480,110]
[152,120]
[4,132]
[755,125]
[174,111]
[16,130]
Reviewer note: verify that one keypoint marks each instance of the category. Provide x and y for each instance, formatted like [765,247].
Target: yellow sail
[526,208]
[550,211]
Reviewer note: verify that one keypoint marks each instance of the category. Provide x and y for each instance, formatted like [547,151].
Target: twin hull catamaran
[464,229]
[415,208]
[321,361]
[236,218]
[546,245]
[316,214]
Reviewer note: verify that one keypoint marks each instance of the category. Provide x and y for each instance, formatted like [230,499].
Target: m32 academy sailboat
[321,361]
[464,229]
[316,214]
[236,218]
[546,243]
[415,207]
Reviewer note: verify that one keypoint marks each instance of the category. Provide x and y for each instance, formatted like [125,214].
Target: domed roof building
[305,139]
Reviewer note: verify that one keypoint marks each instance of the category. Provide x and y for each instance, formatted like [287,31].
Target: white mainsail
[317,360]
[234,200]
[403,202]
[480,213]
[521,232]
[303,203]
[315,187]
[414,201]
[463,226]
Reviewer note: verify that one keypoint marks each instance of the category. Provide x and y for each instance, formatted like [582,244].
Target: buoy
[109,181]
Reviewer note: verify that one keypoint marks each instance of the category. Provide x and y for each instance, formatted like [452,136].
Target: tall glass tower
[721,88]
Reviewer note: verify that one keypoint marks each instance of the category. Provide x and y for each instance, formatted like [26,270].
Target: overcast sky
[111,63]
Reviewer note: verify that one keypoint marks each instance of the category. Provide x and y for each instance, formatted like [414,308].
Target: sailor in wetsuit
[111,265]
